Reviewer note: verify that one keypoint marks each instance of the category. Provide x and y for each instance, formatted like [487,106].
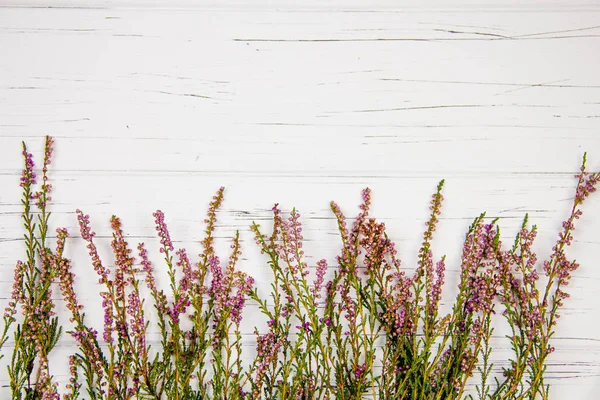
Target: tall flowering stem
[544,305]
[38,332]
[293,359]
[465,333]
[90,357]
[351,296]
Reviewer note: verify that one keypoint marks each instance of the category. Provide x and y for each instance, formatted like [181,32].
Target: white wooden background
[155,104]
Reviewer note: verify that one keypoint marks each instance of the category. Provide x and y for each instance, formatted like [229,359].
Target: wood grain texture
[155,104]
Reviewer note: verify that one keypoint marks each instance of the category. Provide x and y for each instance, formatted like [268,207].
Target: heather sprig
[125,366]
[300,366]
[37,331]
[532,306]
[354,298]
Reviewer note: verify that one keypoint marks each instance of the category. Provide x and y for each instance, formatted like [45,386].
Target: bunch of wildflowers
[364,327]
[532,306]
[425,355]
[292,360]
[125,367]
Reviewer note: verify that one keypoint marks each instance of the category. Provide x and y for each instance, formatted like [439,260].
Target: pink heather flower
[66,277]
[320,278]
[46,305]
[217,289]
[245,286]
[360,370]
[267,350]
[188,276]
[278,230]
[137,323]
[436,289]
[73,383]
[425,267]
[235,252]
[360,219]
[586,183]
[17,292]
[347,260]
[163,232]
[277,221]
[48,150]
[179,308]
[348,305]
[107,306]
[473,250]
[85,337]
[88,235]
[28,177]
[84,221]
[61,235]
[341,219]
[291,244]
[558,266]
[43,196]
[375,245]
[123,259]
[161,301]
[479,254]
[305,327]
[210,222]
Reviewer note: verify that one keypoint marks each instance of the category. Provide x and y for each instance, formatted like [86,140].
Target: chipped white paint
[155,104]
